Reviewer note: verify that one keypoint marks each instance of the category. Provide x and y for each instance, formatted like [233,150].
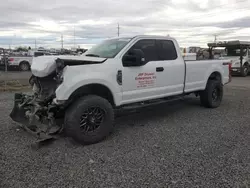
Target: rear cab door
[171,79]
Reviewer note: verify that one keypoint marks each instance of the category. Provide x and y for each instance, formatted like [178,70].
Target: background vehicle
[118,73]
[24,62]
[238,53]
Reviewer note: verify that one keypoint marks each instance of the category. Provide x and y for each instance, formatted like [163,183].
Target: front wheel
[89,120]
[212,96]
[245,70]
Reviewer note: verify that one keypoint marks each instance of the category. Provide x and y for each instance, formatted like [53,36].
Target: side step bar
[149,103]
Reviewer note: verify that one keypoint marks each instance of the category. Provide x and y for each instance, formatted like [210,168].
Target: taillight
[229,69]
[11,59]
[230,66]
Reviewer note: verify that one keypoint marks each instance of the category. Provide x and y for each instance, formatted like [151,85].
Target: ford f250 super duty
[85,91]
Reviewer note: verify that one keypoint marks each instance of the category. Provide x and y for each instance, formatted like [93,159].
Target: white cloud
[192,22]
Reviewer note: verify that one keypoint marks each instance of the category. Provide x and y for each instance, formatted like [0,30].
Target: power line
[215,38]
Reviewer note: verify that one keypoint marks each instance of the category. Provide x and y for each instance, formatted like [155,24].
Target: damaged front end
[37,113]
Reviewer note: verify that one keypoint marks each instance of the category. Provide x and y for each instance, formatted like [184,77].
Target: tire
[212,96]
[90,132]
[24,66]
[245,70]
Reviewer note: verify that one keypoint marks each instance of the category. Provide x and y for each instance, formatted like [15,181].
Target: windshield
[234,52]
[108,48]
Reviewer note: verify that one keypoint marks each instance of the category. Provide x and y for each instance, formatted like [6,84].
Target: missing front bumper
[35,118]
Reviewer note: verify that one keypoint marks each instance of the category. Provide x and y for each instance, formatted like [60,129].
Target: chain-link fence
[10,78]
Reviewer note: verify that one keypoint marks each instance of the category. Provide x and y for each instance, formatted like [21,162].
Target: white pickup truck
[118,73]
[21,62]
[24,62]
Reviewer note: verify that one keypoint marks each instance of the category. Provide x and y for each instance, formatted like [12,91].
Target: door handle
[159,69]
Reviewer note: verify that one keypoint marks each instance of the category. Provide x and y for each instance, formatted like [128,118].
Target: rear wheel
[24,66]
[89,120]
[212,96]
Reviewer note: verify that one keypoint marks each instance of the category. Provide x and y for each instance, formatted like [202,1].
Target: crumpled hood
[43,66]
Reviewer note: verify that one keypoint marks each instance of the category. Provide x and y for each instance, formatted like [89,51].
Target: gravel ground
[14,75]
[174,145]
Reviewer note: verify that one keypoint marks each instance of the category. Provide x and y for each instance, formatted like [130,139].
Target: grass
[14,85]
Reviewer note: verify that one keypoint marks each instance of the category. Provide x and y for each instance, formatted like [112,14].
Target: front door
[139,83]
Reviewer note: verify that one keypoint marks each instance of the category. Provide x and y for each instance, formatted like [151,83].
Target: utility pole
[62,40]
[118,30]
[74,37]
[215,38]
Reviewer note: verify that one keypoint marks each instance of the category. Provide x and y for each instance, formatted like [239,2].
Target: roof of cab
[144,36]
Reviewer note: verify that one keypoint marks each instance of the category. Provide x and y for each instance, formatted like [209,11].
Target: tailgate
[227,67]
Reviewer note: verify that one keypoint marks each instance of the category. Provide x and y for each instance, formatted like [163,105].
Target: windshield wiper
[92,55]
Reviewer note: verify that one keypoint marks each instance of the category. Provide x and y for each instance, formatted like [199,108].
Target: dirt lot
[174,145]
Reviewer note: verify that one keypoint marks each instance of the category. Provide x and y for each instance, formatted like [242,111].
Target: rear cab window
[156,50]
[36,54]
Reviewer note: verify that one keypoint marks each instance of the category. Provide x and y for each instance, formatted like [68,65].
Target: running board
[151,103]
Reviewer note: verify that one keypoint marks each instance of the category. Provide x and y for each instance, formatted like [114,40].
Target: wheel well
[94,89]
[215,76]
[24,62]
[246,63]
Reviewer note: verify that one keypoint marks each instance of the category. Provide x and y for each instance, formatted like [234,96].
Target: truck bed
[198,71]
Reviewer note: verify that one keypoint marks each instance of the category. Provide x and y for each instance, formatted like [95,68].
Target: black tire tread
[242,72]
[24,62]
[71,124]
[205,96]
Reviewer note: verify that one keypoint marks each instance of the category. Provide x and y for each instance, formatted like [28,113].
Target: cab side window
[166,50]
[148,46]
[36,54]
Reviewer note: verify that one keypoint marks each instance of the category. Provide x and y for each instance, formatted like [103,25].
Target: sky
[85,23]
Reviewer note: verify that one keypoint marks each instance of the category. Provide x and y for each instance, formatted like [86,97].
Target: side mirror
[133,57]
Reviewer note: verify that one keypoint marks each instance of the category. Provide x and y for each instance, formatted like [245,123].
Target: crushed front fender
[18,112]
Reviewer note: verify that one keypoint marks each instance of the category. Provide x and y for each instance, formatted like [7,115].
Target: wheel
[89,120]
[24,66]
[245,70]
[212,96]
